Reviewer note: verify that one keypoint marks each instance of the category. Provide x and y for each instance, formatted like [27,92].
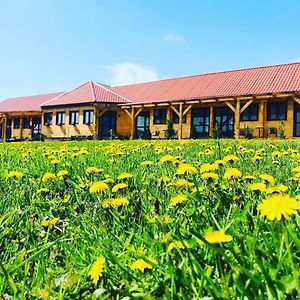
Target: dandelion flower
[14,174]
[218,236]
[231,173]
[210,175]
[208,167]
[177,199]
[260,187]
[115,202]
[48,177]
[280,188]
[55,162]
[50,223]
[147,163]
[42,190]
[230,158]
[98,187]
[296,169]
[125,176]
[167,158]
[141,265]
[62,174]
[176,244]
[183,182]
[96,270]
[268,178]
[119,186]
[278,205]
[93,170]
[186,169]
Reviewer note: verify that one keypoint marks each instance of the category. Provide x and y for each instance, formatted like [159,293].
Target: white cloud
[128,72]
[173,37]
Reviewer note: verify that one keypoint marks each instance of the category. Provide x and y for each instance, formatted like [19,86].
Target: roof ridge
[209,73]
[93,91]
[111,91]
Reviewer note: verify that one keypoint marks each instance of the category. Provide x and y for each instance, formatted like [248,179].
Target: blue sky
[54,45]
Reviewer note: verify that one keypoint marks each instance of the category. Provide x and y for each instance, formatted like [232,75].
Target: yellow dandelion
[48,177]
[50,223]
[125,176]
[260,187]
[278,205]
[15,174]
[249,177]
[210,176]
[147,163]
[96,270]
[230,158]
[115,202]
[167,158]
[183,182]
[177,199]
[280,188]
[141,265]
[296,169]
[218,236]
[164,179]
[55,161]
[98,187]
[186,169]
[268,178]
[231,173]
[93,170]
[176,244]
[119,186]
[42,190]
[208,167]
[62,174]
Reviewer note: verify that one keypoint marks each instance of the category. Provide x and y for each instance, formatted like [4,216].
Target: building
[262,100]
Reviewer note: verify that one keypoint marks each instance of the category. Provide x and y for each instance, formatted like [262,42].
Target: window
[88,116]
[250,113]
[26,122]
[16,123]
[160,116]
[60,118]
[48,118]
[74,117]
[276,110]
[175,117]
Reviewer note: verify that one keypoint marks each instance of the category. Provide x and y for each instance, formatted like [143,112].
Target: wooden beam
[137,113]
[187,110]
[132,123]
[4,128]
[193,102]
[246,105]
[237,119]
[180,122]
[128,113]
[21,126]
[230,106]
[211,120]
[296,100]
[209,101]
[175,110]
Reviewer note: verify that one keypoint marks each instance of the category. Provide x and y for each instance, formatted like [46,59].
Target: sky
[56,45]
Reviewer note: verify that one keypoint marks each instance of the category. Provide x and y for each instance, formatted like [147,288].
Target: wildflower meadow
[150,220]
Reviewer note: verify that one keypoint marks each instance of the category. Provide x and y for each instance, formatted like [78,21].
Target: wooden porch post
[21,128]
[211,120]
[96,123]
[132,123]
[4,128]
[180,122]
[237,119]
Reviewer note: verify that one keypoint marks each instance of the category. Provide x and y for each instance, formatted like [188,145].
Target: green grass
[262,260]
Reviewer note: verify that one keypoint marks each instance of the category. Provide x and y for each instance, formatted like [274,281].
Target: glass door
[8,129]
[142,125]
[200,122]
[108,124]
[296,119]
[36,128]
[224,119]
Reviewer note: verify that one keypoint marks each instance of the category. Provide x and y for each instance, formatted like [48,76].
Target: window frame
[76,118]
[247,117]
[18,125]
[157,121]
[26,122]
[278,106]
[61,119]
[90,118]
[45,118]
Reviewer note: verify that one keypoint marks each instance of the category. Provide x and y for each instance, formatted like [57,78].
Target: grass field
[150,220]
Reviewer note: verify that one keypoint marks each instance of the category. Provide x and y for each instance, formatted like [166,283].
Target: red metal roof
[28,103]
[89,92]
[252,81]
